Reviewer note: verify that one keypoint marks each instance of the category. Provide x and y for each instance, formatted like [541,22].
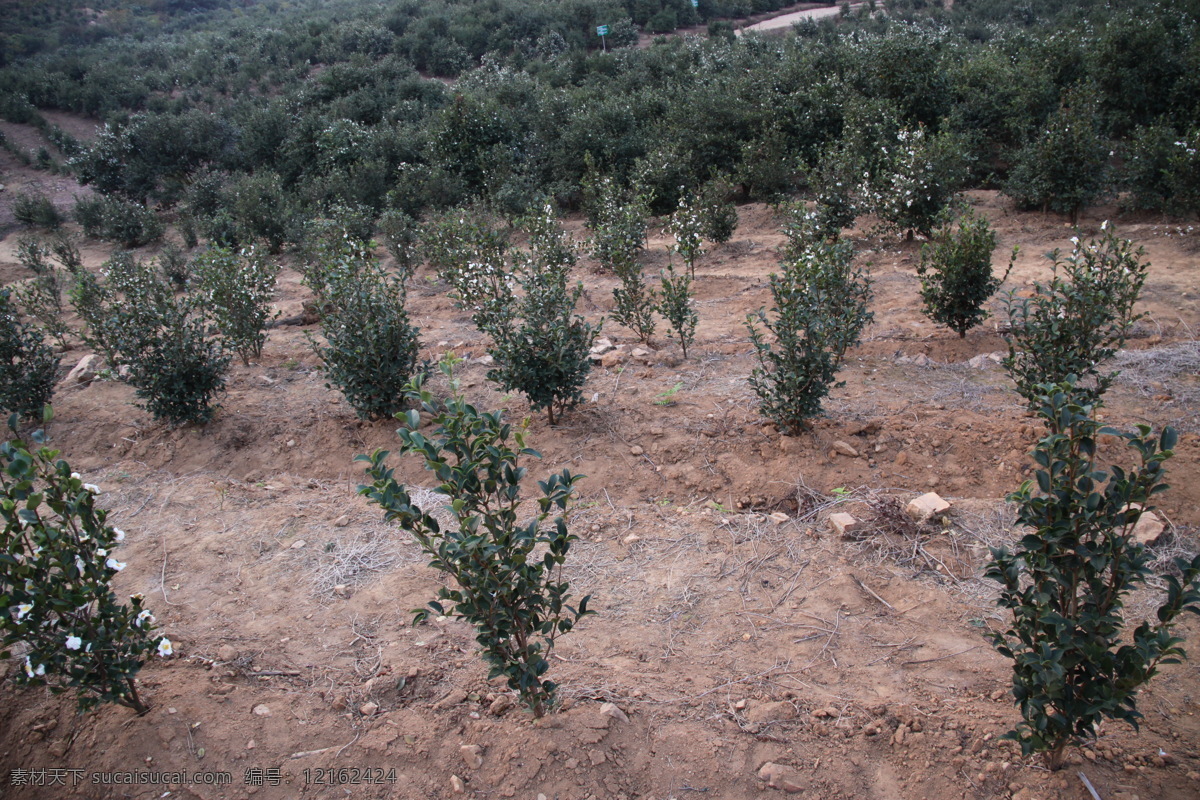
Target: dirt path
[791,18]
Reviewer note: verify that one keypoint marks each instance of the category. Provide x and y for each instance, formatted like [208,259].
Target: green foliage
[36,210]
[235,291]
[956,272]
[28,366]
[819,311]
[56,562]
[370,350]
[1162,170]
[676,308]
[177,365]
[634,302]
[175,266]
[1074,664]
[719,216]
[541,346]
[468,251]
[916,180]
[1078,320]
[687,225]
[113,219]
[402,238]
[617,219]
[40,297]
[511,592]
[1065,169]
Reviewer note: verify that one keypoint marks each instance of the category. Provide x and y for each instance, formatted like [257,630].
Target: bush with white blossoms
[61,618]
[1078,320]
[235,290]
[687,225]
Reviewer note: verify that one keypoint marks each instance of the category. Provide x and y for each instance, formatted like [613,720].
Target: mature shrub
[676,308]
[515,597]
[1162,170]
[56,561]
[718,213]
[617,219]
[402,238]
[177,364]
[819,310]
[28,366]
[1074,664]
[113,219]
[175,266]
[40,297]
[1078,320]
[468,250]
[1065,169]
[916,181]
[235,290]
[36,210]
[956,272]
[541,346]
[370,350]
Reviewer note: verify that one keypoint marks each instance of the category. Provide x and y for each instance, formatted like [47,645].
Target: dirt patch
[735,629]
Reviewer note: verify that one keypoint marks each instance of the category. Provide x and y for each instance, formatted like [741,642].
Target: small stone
[342,521]
[501,705]
[453,698]
[472,755]
[978,362]
[632,538]
[172,710]
[613,358]
[614,711]
[901,459]
[84,372]
[597,757]
[642,353]
[636,450]
[486,360]
[342,591]
[250,745]
[368,709]
[845,449]
[601,347]
[901,732]
[778,517]
[778,776]
[926,506]
[772,712]
[299,544]
[1148,529]
[844,524]
[262,710]
[456,785]
[227,652]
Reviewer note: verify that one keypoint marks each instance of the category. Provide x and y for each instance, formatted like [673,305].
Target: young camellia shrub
[820,308]
[56,560]
[956,272]
[235,290]
[1078,320]
[676,307]
[515,597]
[540,344]
[1074,662]
[28,366]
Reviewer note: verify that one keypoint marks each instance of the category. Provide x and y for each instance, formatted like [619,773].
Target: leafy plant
[687,225]
[370,350]
[633,302]
[1078,320]
[468,252]
[402,237]
[617,219]
[506,568]
[667,398]
[36,210]
[540,344]
[28,366]
[819,310]
[40,297]
[56,561]
[114,219]
[718,215]
[235,290]
[1074,664]
[676,308]
[956,272]
[175,266]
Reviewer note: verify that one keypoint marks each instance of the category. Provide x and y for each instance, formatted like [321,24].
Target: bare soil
[734,628]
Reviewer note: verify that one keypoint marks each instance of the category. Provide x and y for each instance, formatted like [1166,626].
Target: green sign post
[602,31]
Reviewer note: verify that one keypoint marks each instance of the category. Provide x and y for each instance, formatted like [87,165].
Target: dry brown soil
[729,637]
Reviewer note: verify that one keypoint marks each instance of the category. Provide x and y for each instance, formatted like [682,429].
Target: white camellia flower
[143,618]
[23,610]
[113,564]
[164,648]
[74,642]
[79,565]
[93,488]
[31,672]
[118,535]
